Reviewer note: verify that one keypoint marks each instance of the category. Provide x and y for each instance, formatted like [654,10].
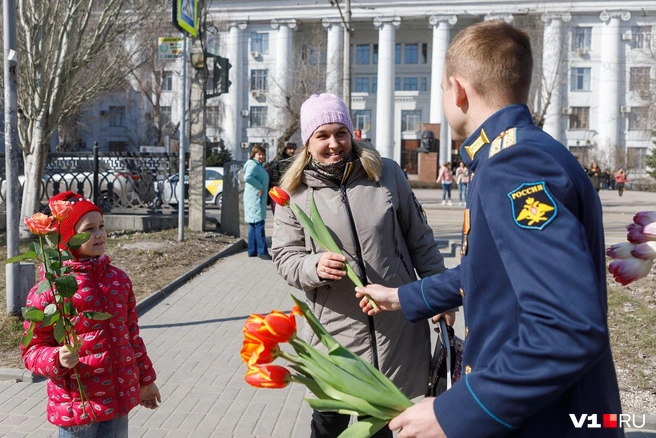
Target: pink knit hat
[321,109]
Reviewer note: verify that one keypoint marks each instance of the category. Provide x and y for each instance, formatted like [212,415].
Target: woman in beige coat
[371,211]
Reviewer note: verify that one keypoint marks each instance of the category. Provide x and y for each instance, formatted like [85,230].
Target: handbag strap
[444,338]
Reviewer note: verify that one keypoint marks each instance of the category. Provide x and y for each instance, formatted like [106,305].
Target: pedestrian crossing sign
[185,16]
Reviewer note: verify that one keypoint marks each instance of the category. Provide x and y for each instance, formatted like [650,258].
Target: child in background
[114,367]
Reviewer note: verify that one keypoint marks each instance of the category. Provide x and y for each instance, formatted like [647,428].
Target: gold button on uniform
[466,331]
[462,293]
[467,369]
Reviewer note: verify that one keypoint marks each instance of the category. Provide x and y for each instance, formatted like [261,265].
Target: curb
[23,375]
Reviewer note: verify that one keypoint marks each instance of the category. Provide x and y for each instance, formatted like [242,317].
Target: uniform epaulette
[505,140]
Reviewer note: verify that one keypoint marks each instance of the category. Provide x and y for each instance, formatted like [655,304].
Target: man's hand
[150,396]
[68,358]
[387,298]
[449,317]
[418,421]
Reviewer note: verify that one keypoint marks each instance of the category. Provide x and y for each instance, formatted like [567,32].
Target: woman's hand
[331,266]
[386,298]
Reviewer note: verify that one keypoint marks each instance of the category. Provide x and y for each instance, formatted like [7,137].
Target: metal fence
[115,181]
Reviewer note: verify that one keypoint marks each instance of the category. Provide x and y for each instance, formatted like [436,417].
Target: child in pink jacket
[114,368]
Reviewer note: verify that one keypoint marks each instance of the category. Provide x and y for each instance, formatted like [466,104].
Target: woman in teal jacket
[255,195]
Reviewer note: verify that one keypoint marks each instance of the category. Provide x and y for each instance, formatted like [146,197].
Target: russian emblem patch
[533,207]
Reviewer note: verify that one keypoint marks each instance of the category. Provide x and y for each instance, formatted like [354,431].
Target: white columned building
[232,128]
[554,70]
[282,83]
[334,55]
[384,139]
[611,75]
[441,38]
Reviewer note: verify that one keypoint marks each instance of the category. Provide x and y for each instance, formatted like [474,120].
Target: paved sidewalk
[194,337]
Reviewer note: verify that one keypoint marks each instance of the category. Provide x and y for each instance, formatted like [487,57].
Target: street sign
[170,48]
[185,16]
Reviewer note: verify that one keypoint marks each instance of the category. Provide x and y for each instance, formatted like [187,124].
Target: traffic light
[221,75]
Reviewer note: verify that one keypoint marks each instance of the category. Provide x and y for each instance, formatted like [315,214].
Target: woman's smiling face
[330,143]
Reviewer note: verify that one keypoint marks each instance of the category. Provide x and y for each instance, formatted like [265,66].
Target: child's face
[94,224]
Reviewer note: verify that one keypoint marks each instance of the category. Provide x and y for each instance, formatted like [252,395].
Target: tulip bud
[268,376]
[645,251]
[650,231]
[279,196]
[637,235]
[644,218]
[621,250]
[628,270]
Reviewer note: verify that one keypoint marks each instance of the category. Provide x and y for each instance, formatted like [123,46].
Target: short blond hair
[496,58]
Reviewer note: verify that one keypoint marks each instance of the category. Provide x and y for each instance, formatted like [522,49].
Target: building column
[384,139]
[554,55]
[334,56]
[280,88]
[610,77]
[232,128]
[441,38]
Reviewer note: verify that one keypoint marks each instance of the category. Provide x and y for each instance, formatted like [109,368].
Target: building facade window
[362,120]
[212,116]
[260,42]
[581,38]
[361,85]
[375,57]
[397,54]
[362,54]
[116,116]
[164,116]
[639,78]
[635,159]
[167,80]
[639,118]
[259,80]
[411,121]
[397,84]
[640,37]
[411,54]
[258,116]
[423,84]
[374,85]
[424,53]
[581,79]
[581,153]
[410,84]
[580,118]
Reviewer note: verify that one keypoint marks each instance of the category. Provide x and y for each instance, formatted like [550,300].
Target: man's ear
[459,91]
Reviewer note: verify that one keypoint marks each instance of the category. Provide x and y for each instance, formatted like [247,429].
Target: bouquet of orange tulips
[58,280]
[635,258]
[341,381]
[317,230]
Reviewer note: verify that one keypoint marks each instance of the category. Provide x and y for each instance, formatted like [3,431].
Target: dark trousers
[331,424]
[256,239]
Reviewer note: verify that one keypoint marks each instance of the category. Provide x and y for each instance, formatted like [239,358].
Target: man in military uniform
[532,278]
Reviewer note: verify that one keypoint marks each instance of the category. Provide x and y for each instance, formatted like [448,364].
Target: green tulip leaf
[307,223]
[19,258]
[325,238]
[98,316]
[331,405]
[44,286]
[29,334]
[59,331]
[32,314]
[78,240]
[364,428]
[325,337]
[66,286]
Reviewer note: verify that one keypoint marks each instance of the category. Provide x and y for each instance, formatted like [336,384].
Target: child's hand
[67,358]
[150,396]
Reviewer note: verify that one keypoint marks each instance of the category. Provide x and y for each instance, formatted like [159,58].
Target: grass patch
[633,338]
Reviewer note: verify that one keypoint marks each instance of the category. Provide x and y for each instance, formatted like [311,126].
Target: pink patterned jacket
[113,360]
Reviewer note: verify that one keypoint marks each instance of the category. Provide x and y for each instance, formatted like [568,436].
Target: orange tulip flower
[274,327]
[256,352]
[279,196]
[268,376]
[40,224]
[60,209]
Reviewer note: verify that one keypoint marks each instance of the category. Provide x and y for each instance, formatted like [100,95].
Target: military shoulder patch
[505,140]
[532,205]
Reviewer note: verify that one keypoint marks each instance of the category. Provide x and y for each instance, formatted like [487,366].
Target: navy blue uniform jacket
[533,288]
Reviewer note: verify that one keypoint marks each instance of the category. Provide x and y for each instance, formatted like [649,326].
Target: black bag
[446,363]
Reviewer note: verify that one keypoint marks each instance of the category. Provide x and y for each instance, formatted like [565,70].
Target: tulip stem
[290,357]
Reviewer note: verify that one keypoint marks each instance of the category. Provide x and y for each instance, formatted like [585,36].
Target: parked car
[213,187]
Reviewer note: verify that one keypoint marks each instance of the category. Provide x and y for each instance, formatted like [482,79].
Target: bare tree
[70,51]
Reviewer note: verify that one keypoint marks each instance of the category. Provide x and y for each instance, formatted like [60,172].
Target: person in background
[446,178]
[371,211]
[610,180]
[279,166]
[255,201]
[532,277]
[620,180]
[112,361]
[594,172]
[462,178]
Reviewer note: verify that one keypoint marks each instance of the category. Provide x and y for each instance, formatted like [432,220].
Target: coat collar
[314,179]
[477,144]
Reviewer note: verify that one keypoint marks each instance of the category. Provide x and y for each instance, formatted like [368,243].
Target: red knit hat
[80,206]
